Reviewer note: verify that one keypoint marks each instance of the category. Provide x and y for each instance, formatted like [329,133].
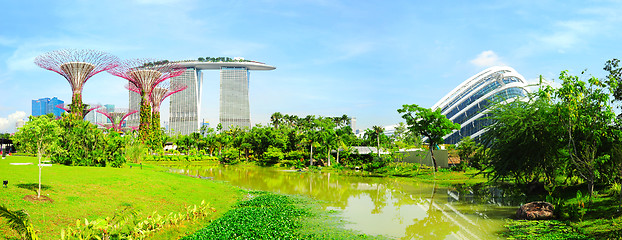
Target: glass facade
[134,119]
[234,102]
[468,103]
[186,105]
[44,106]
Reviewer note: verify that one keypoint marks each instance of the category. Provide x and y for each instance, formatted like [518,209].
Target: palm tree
[276,119]
[18,221]
[378,130]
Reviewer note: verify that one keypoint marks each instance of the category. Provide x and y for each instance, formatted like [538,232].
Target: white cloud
[8,124]
[487,59]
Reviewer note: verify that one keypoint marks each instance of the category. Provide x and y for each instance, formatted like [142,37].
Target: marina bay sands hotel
[185,106]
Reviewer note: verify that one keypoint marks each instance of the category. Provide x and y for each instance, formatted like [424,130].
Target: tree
[378,130]
[42,132]
[587,119]
[466,147]
[523,141]
[428,123]
[276,119]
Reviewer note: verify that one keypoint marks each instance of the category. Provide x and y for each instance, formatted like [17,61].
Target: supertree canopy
[158,94]
[143,76]
[86,110]
[77,66]
[116,117]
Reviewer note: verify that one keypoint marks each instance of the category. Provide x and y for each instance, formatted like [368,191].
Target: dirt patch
[34,199]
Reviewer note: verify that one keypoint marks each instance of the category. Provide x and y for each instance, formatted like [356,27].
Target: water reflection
[380,206]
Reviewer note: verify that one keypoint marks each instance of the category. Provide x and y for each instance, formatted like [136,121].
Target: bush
[229,156]
[82,144]
[272,156]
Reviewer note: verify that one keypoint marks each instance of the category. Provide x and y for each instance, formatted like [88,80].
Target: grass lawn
[91,193]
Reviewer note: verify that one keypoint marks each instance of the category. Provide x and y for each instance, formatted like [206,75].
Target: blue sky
[360,58]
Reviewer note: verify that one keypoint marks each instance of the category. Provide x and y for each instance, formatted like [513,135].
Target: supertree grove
[77,66]
[116,117]
[144,76]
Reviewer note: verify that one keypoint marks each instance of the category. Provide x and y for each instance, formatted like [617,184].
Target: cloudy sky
[360,58]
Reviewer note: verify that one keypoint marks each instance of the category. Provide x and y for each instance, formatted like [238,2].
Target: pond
[396,208]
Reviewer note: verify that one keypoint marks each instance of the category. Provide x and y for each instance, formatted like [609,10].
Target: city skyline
[333,57]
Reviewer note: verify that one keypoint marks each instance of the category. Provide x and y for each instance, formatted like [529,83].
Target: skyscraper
[234,104]
[185,108]
[44,106]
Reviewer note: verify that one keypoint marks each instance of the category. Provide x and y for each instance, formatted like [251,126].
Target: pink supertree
[77,66]
[117,117]
[144,75]
[86,110]
[158,94]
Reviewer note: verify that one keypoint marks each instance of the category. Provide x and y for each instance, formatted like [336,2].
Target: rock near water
[535,211]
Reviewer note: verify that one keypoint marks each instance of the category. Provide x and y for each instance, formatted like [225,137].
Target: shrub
[272,156]
[229,156]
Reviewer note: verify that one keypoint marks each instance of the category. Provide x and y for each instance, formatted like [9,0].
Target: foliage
[230,156]
[39,135]
[266,216]
[135,151]
[466,148]
[587,120]
[428,123]
[551,229]
[523,143]
[82,144]
[272,156]
[126,224]
[566,132]
[19,221]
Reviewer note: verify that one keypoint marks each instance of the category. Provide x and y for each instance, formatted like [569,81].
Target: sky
[364,59]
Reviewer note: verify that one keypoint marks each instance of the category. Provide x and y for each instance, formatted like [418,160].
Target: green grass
[273,216]
[91,193]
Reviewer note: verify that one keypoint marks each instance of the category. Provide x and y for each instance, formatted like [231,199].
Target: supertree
[77,66]
[158,94]
[116,117]
[144,75]
[85,111]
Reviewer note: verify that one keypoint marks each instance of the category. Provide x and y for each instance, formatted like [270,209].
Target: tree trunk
[328,154]
[378,144]
[433,158]
[311,156]
[39,155]
[338,156]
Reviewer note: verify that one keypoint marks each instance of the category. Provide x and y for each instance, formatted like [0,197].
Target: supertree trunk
[158,94]
[155,128]
[144,130]
[117,117]
[77,66]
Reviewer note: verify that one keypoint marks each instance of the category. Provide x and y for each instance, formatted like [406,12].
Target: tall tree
[523,141]
[587,118]
[378,130]
[428,123]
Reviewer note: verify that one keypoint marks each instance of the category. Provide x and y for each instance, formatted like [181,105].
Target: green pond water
[395,208]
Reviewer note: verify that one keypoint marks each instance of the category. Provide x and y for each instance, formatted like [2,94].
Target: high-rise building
[185,108]
[234,103]
[44,106]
